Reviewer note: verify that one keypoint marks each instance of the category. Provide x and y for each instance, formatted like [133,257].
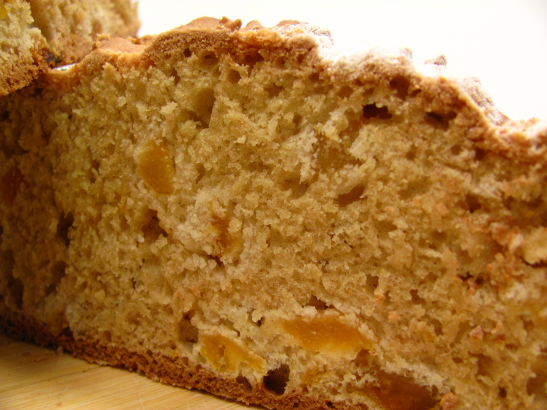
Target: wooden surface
[32,377]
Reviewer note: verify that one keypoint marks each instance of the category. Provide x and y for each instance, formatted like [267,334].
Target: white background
[502,42]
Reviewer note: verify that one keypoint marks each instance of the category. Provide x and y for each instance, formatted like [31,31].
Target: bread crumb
[195,291]
[477,333]
[449,401]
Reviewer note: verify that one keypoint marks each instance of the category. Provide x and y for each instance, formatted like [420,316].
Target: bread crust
[181,373]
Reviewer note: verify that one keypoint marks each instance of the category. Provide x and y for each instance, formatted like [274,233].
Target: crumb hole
[64,227]
[472,203]
[95,165]
[11,183]
[151,228]
[187,53]
[252,59]
[297,120]
[372,282]
[400,85]
[431,278]
[415,298]
[345,92]
[216,259]
[479,281]
[502,392]
[111,149]
[175,75]
[385,227]
[440,120]
[297,188]
[392,391]
[354,125]
[186,331]
[58,273]
[536,385]
[16,290]
[317,303]
[106,336]
[14,285]
[373,111]
[411,154]
[204,103]
[350,197]
[208,59]
[234,76]
[456,149]
[4,116]
[480,154]
[415,188]
[244,382]
[276,380]
[484,365]
[437,325]
[314,77]
[457,360]
[465,277]
[201,172]
[96,28]
[274,90]
[437,239]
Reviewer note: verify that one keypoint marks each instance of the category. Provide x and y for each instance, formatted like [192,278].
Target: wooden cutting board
[32,377]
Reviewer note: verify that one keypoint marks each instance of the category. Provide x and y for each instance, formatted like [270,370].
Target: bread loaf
[38,34]
[246,212]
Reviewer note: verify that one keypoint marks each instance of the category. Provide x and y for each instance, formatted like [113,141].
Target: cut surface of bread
[244,212]
[37,34]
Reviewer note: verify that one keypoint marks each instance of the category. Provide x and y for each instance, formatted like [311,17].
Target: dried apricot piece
[223,352]
[155,167]
[327,333]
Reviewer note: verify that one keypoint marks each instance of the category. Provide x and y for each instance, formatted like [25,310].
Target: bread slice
[37,34]
[246,212]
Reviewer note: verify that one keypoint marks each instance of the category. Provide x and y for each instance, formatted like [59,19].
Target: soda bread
[37,34]
[246,212]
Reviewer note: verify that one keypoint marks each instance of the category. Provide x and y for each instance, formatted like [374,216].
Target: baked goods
[245,212]
[37,34]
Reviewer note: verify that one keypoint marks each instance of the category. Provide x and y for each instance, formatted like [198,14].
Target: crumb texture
[38,34]
[224,209]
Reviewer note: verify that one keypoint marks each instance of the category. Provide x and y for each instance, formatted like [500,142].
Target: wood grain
[32,377]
